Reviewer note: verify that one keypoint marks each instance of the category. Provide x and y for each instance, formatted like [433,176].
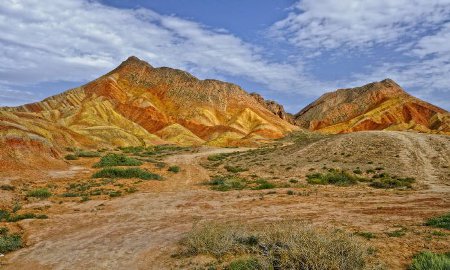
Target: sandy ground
[141,230]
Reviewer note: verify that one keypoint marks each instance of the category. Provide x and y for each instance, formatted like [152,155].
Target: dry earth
[141,230]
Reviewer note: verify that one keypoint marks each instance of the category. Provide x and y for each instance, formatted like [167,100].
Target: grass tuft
[439,222]
[430,261]
[126,173]
[39,193]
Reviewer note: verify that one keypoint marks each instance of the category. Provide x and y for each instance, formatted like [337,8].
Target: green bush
[174,169]
[367,235]
[430,261]
[439,222]
[385,181]
[332,177]
[233,169]
[88,154]
[126,173]
[117,160]
[71,157]
[39,193]
[263,184]
[244,264]
[10,242]
[227,182]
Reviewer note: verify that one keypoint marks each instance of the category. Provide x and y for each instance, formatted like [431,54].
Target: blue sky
[288,50]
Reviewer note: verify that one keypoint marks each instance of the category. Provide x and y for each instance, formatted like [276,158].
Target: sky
[290,51]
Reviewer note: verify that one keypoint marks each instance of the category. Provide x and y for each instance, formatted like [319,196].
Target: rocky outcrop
[276,108]
[375,106]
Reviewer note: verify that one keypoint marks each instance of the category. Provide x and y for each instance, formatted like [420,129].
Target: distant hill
[376,106]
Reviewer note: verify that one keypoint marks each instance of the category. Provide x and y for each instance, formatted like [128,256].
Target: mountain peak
[134,61]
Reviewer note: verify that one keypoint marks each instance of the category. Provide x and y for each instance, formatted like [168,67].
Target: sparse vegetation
[174,169]
[234,169]
[278,245]
[332,177]
[233,182]
[7,187]
[439,222]
[117,160]
[71,157]
[226,183]
[386,181]
[245,264]
[8,217]
[41,193]
[217,157]
[87,154]
[9,242]
[126,173]
[430,261]
[367,235]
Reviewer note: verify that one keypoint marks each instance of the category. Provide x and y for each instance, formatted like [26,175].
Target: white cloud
[416,31]
[76,40]
[330,24]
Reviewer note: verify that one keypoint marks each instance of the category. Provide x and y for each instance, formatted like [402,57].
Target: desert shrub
[7,187]
[132,149]
[244,264]
[87,154]
[357,171]
[39,193]
[439,222]
[386,181]
[277,245]
[430,261]
[70,194]
[227,182]
[263,184]
[71,157]
[293,181]
[174,169]
[115,193]
[332,177]
[6,216]
[290,192]
[10,242]
[234,169]
[126,173]
[117,160]
[367,235]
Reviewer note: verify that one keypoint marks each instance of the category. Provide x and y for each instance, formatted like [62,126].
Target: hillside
[137,104]
[376,106]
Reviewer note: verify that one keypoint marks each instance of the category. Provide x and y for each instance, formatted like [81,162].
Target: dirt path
[419,153]
[118,234]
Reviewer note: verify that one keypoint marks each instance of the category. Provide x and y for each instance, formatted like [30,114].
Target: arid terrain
[141,227]
[152,168]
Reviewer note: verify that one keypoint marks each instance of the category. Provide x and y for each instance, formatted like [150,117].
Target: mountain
[380,105]
[137,104]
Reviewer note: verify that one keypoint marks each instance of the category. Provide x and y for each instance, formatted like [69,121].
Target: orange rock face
[137,104]
[375,106]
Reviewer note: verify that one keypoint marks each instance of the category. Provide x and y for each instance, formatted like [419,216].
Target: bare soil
[142,230]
